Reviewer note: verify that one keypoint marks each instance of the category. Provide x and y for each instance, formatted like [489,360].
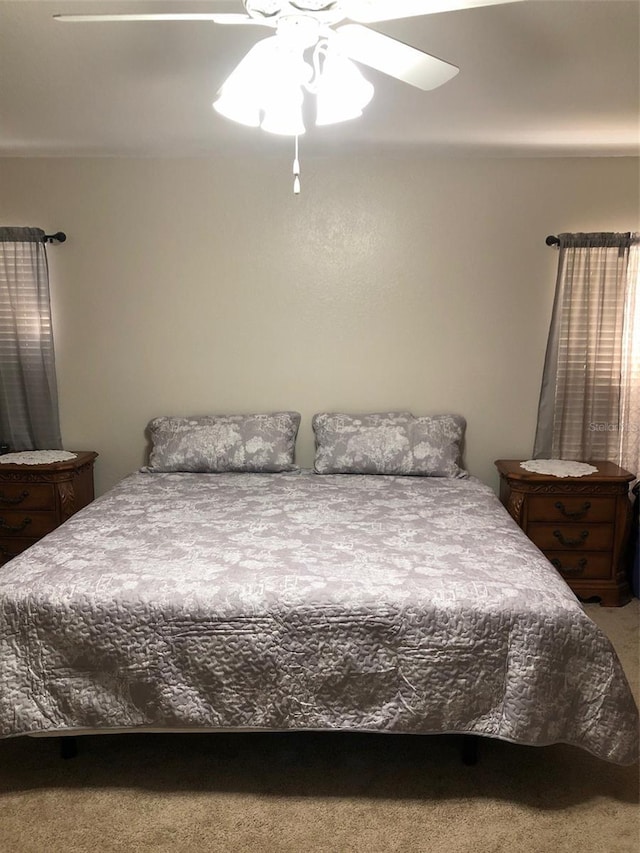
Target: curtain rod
[58,237]
[602,240]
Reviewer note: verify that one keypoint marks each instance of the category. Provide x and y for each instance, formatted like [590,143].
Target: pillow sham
[216,444]
[395,443]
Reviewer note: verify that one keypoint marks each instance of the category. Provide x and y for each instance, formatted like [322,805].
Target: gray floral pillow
[389,443]
[214,444]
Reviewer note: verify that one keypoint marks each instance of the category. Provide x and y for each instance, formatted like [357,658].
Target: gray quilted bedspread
[299,601]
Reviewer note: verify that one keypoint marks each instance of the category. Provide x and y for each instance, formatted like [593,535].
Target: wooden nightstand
[580,523]
[35,499]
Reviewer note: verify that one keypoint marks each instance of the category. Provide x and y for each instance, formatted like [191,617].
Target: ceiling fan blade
[231,18]
[371,11]
[393,57]
[215,17]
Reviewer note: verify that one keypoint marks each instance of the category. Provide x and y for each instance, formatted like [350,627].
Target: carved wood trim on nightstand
[67,499]
[574,488]
[515,505]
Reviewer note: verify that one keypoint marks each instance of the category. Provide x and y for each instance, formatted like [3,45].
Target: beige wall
[194,286]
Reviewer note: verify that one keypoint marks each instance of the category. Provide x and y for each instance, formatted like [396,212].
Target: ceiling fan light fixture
[342,91]
[265,89]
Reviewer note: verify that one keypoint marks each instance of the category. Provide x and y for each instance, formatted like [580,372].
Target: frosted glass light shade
[238,108]
[242,92]
[284,122]
[284,97]
[342,91]
[283,112]
[265,90]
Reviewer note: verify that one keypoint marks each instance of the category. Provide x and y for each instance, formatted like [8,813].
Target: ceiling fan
[313,51]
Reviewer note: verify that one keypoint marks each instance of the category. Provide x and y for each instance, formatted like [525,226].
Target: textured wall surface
[203,286]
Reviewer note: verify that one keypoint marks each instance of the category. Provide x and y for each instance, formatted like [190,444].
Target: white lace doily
[558,467]
[36,457]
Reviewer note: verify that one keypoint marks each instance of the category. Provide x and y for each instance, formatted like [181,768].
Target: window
[590,384]
[28,392]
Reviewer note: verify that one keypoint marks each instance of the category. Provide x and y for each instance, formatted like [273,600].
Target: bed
[298,601]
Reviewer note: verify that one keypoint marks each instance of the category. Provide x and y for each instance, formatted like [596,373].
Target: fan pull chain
[296,172]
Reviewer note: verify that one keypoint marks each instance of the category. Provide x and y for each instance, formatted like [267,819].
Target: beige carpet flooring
[332,793]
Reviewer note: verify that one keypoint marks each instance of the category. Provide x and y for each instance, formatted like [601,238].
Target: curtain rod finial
[58,237]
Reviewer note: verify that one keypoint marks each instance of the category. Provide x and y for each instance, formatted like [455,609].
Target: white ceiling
[542,77]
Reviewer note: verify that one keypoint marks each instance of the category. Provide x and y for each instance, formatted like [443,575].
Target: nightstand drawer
[581,564]
[26,524]
[26,496]
[572,537]
[570,508]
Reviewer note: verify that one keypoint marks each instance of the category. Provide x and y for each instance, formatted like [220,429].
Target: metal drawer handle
[575,514]
[570,543]
[571,570]
[13,501]
[18,529]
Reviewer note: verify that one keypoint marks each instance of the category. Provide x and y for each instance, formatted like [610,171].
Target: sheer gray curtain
[585,386]
[630,385]
[28,392]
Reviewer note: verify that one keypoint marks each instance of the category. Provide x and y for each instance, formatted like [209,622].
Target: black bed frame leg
[68,746]
[470,750]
